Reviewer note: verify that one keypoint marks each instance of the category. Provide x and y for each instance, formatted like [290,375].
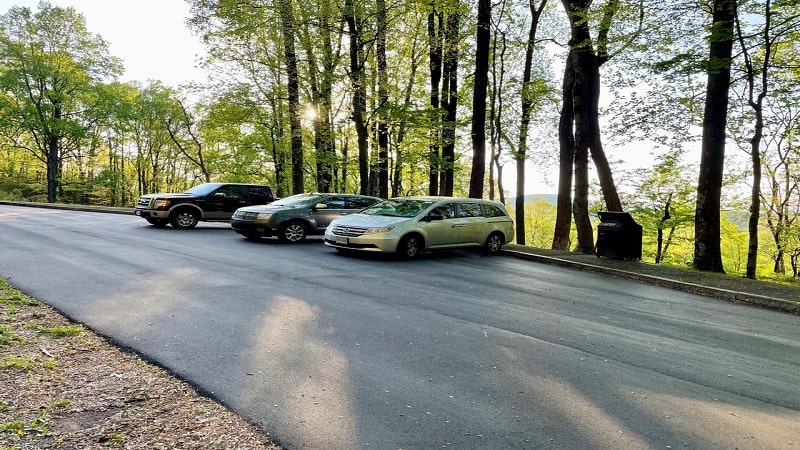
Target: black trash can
[619,236]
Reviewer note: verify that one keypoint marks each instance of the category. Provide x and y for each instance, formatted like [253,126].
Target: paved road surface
[455,350]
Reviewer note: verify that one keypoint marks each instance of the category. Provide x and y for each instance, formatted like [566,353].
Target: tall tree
[435,45]
[359,91]
[382,165]
[293,88]
[529,96]
[585,63]
[182,126]
[480,89]
[759,49]
[322,44]
[450,98]
[566,161]
[49,66]
[707,249]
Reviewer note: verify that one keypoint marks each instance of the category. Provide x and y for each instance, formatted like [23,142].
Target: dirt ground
[64,387]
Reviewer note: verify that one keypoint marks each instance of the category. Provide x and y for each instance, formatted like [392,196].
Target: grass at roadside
[63,386]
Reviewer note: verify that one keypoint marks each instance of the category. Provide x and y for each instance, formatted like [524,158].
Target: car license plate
[341,240]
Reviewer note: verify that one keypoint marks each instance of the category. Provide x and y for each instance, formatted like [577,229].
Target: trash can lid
[616,216]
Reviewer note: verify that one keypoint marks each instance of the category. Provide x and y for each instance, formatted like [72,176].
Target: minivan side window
[447,210]
[470,210]
[493,211]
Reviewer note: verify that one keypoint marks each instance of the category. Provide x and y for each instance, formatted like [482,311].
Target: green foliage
[36,425]
[18,363]
[59,331]
[9,337]
[61,403]
[49,64]
[113,440]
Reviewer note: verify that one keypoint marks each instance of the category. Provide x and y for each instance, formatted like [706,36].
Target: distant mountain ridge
[529,198]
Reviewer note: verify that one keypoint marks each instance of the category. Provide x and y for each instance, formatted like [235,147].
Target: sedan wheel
[409,246]
[184,219]
[293,232]
[493,245]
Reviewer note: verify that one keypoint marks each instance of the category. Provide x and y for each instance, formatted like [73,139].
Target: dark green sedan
[294,218]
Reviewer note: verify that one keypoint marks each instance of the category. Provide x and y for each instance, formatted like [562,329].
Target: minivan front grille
[348,231]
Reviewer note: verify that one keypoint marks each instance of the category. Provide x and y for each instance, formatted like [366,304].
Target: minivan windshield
[398,207]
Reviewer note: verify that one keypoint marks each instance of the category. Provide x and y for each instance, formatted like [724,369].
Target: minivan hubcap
[411,247]
[494,243]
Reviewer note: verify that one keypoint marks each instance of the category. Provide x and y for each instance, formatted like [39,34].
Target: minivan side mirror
[433,215]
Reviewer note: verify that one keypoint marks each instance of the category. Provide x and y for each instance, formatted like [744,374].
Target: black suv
[207,202]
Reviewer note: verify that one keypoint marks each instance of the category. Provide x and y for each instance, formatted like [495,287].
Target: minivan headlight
[377,230]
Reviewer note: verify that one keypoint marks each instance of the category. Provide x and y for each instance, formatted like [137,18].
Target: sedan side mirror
[320,206]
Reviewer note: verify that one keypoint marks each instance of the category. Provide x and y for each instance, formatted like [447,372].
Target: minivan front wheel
[410,246]
[494,243]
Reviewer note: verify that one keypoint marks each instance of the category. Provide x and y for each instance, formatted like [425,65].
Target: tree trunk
[382,165]
[527,107]
[707,248]
[566,160]
[661,223]
[757,104]
[479,99]
[586,91]
[293,90]
[435,36]
[397,181]
[359,96]
[450,102]
[320,86]
[580,206]
[53,166]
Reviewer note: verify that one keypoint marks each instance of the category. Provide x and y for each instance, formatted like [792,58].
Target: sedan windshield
[296,201]
[398,208]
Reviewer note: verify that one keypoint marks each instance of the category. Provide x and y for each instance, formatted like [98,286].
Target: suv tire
[294,231]
[184,219]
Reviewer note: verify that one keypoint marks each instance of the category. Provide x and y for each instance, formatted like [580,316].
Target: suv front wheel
[184,219]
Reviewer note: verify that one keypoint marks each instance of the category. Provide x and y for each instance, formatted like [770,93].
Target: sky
[150,36]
